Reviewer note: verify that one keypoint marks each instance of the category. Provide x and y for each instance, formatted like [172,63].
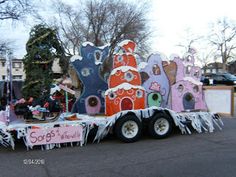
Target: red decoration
[125,91]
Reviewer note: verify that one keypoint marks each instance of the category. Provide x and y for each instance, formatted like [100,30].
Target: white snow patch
[75,57]
[162,55]
[98,62]
[124,42]
[190,79]
[103,47]
[123,69]
[120,52]
[84,44]
[125,86]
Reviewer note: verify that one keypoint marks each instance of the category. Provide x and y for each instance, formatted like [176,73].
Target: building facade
[213,68]
[232,67]
[18,73]
[218,68]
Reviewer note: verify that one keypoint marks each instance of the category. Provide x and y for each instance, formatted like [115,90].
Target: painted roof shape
[93,53]
[127,46]
[124,60]
[123,69]
[125,86]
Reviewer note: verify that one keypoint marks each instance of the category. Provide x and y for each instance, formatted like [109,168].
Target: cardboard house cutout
[187,93]
[125,91]
[88,66]
[156,82]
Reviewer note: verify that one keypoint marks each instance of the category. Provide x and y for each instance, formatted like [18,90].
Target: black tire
[160,126]
[128,136]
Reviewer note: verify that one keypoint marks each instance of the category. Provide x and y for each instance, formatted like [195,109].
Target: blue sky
[170,20]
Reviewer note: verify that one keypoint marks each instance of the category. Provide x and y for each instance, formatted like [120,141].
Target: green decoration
[154,99]
[42,48]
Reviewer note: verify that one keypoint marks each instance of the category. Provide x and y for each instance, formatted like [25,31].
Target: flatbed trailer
[126,125]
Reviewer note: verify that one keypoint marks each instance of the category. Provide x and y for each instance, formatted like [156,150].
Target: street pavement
[196,155]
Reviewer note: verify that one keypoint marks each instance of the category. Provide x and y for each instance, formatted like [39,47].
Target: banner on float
[44,136]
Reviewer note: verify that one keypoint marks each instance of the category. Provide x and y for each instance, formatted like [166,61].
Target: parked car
[219,79]
[205,80]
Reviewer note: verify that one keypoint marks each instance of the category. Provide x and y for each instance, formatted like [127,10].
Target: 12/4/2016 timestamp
[33,161]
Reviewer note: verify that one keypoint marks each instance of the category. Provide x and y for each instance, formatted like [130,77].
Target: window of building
[156,69]
[3,63]
[16,64]
[17,77]
[3,77]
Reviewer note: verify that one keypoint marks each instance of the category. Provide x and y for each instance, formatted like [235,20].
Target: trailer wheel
[160,126]
[128,128]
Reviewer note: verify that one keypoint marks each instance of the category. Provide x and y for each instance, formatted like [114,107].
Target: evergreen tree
[42,48]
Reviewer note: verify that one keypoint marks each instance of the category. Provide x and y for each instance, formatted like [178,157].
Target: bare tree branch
[224,40]
[5,46]
[103,22]
[15,9]
[189,40]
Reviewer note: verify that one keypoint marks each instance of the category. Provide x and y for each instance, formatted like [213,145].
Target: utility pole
[9,84]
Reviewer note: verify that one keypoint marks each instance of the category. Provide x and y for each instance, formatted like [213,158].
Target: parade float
[157,94]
